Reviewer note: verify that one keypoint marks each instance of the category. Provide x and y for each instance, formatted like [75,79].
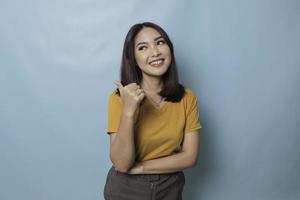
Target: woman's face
[152,53]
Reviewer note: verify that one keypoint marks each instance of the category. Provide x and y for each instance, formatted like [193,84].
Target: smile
[156,63]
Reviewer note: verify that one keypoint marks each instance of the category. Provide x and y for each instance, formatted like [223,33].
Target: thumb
[118,84]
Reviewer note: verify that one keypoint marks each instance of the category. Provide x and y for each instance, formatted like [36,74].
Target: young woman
[153,121]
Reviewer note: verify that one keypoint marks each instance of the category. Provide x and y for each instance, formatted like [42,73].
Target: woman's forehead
[147,34]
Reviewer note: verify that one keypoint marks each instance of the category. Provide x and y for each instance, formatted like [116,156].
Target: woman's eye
[161,42]
[141,48]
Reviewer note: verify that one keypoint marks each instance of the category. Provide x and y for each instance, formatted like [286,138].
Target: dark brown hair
[131,73]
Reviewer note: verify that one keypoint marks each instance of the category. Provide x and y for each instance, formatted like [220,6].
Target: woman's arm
[185,159]
[122,150]
[122,147]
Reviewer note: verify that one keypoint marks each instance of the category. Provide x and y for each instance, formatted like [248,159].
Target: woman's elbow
[121,167]
[123,170]
[193,161]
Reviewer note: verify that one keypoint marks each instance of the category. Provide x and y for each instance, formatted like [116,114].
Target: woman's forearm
[168,164]
[122,150]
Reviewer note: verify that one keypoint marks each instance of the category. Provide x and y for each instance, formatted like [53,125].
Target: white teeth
[156,62]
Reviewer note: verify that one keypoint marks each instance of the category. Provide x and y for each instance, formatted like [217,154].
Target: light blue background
[58,60]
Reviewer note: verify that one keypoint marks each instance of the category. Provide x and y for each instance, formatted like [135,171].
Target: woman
[153,121]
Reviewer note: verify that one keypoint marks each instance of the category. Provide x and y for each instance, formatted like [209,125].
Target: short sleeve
[192,113]
[114,113]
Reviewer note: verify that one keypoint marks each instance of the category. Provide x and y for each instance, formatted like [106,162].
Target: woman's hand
[132,95]
[136,169]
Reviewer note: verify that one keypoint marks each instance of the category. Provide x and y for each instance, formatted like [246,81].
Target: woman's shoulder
[114,96]
[189,93]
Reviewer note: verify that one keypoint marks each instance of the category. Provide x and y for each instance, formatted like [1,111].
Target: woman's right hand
[131,95]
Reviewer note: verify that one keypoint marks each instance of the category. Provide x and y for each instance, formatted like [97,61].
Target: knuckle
[132,84]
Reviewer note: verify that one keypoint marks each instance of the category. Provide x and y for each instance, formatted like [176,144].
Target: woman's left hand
[136,169]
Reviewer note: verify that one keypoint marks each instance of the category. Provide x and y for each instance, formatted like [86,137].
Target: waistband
[149,177]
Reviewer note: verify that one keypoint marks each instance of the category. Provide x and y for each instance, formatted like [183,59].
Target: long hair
[172,90]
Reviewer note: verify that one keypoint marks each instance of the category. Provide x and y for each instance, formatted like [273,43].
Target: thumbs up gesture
[131,95]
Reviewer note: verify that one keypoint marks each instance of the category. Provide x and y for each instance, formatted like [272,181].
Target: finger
[141,96]
[133,86]
[139,91]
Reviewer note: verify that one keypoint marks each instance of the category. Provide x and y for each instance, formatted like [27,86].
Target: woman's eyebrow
[155,39]
[140,43]
[158,38]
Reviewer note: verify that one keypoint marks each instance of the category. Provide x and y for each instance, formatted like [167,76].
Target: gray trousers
[124,186]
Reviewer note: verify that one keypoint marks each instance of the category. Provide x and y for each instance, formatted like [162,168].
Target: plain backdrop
[57,63]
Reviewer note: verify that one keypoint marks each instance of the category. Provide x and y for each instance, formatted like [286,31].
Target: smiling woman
[153,121]
[152,51]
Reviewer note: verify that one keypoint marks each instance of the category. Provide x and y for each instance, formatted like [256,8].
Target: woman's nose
[155,51]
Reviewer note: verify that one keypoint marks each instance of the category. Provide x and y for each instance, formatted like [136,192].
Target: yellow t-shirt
[158,132]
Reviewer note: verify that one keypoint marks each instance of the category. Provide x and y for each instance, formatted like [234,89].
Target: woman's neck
[151,85]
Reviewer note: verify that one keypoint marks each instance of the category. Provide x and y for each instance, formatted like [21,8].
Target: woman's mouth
[157,63]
